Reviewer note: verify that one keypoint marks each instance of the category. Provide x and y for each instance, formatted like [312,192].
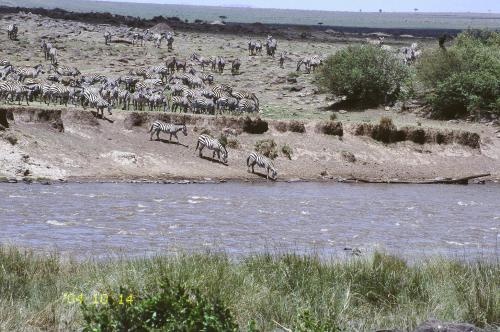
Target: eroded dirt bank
[73,144]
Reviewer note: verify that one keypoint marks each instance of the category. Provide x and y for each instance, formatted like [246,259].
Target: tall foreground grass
[359,294]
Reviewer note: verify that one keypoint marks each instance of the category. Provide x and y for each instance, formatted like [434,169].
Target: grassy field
[356,294]
[251,15]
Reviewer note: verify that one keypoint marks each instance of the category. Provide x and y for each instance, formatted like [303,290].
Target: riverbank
[73,145]
[356,294]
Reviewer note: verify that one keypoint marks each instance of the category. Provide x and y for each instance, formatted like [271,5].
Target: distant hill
[283,16]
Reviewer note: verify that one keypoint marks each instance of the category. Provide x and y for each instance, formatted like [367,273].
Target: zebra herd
[140,38]
[213,144]
[255,46]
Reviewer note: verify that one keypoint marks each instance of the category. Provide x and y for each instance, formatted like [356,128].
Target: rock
[438,326]
[348,156]
[387,108]
[296,88]
[452,121]
[342,112]
[291,80]
[12,180]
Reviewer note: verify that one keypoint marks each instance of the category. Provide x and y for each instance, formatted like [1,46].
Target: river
[102,220]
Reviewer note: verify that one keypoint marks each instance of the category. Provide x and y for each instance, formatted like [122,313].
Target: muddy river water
[98,220]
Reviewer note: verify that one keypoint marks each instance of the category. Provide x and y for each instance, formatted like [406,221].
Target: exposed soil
[119,149]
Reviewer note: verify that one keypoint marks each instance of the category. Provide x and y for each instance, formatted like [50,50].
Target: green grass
[358,294]
[251,15]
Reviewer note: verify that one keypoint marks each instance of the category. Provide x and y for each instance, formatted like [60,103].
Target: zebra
[124,98]
[168,128]
[54,92]
[212,144]
[5,71]
[246,95]
[4,63]
[222,90]
[138,99]
[254,47]
[130,81]
[98,102]
[248,106]
[93,78]
[179,102]
[282,59]
[158,37]
[53,55]
[160,69]
[140,37]
[107,37]
[170,42]
[271,46]
[64,71]
[235,66]
[221,63]
[308,63]
[46,47]
[12,31]
[15,90]
[201,60]
[202,103]
[229,103]
[156,101]
[257,159]
[29,72]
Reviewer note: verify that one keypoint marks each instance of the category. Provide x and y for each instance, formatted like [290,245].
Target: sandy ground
[92,148]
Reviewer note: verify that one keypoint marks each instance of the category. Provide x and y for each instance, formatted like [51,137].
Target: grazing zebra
[271,46]
[170,42]
[203,104]
[53,55]
[6,71]
[246,95]
[201,60]
[168,128]
[264,162]
[179,102]
[309,62]
[54,92]
[140,37]
[64,70]
[160,69]
[29,72]
[12,31]
[248,106]
[107,37]
[227,103]
[235,66]
[212,144]
[95,100]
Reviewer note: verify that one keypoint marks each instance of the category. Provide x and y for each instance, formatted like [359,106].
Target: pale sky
[479,6]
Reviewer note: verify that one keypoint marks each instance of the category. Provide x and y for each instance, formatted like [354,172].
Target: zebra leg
[201,148]
[158,134]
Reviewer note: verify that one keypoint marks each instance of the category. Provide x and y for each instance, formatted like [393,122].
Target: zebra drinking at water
[264,162]
[168,128]
[12,31]
[212,144]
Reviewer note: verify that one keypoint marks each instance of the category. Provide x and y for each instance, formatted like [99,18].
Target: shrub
[173,308]
[233,143]
[267,147]
[223,140]
[281,126]
[366,75]
[256,126]
[296,127]
[464,77]
[333,117]
[330,128]
[287,151]
[348,156]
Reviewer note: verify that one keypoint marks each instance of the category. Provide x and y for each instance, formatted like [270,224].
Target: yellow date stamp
[97,298]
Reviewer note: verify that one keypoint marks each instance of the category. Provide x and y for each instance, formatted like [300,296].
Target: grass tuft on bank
[304,293]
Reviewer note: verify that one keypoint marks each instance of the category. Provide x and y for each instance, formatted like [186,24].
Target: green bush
[173,308]
[223,140]
[267,147]
[365,74]
[464,78]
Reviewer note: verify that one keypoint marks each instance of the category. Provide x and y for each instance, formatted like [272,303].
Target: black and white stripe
[168,128]
[257,159]
[212,144]
[12,30]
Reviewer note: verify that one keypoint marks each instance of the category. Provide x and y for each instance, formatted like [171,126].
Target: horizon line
[297,9]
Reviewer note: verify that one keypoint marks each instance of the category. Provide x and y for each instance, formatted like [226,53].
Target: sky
[480,6]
